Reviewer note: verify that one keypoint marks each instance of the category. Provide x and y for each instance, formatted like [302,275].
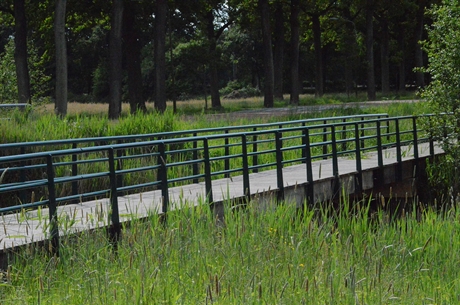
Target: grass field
[198,106]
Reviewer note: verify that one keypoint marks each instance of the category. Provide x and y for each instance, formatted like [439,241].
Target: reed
[279,255]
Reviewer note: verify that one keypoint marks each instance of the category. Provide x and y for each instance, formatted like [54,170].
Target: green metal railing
[37,146]
[190,159]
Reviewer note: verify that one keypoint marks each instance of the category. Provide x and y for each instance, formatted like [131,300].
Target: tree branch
[222,29]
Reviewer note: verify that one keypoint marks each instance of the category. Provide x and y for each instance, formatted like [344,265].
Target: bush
[235,89]
[39,81]
[443,93]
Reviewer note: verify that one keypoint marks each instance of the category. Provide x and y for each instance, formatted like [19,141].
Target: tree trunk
[213,57]
[279,51]
[350,52]
[385,57]
[115,59]
[295,82]
[160,55]
[370,50]
[319,79]
[20,52]
[402,64]
[268,54]
[133,61]
[420,79]
[60,106]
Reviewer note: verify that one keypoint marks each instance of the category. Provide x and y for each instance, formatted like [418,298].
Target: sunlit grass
[199,105]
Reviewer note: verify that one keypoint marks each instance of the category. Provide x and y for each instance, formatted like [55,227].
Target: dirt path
[284,111]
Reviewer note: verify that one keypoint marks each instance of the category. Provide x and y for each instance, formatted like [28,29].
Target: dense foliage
[212,45]
[443,94]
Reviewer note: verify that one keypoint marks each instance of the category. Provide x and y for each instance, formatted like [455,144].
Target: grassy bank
[276,256]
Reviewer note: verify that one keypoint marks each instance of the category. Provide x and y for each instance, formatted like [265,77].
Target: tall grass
[39,125]
[281,255]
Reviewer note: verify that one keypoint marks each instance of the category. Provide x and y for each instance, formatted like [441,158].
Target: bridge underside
[394,185]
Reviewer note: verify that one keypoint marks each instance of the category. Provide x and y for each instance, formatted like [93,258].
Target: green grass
[276,256]
[39,126]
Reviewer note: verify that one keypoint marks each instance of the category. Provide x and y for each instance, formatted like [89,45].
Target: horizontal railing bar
[23,207]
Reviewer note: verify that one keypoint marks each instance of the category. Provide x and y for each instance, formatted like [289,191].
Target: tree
[420,16]
[278,52]
[133,61]
[385,54]
[347,42]
[213,33]
[443,93]
[160,54]
[115,59]
[213,59]
[268,54]
[370,50]
[294,67]
[20,53]
[60,106]
[316,9]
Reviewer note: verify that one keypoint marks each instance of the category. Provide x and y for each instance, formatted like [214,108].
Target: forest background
[137,51]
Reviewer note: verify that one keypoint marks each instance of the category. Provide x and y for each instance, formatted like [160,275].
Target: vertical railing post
[279,165]
[398,151]
[431,139]
[324,141]
[388,127]
[344,135]
[227,154]
[114,215]
[335,162]
[255,156]
[207,173]
[74,171]
[120,154]
[246,185]
[363,129]
[359,167]
[309,168]
[414,130]
[304,143]
[54,229]
[22,176]
[195,158]
[163,176]
[379,144]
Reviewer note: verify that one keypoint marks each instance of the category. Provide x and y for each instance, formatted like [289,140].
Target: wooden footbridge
[51,188]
